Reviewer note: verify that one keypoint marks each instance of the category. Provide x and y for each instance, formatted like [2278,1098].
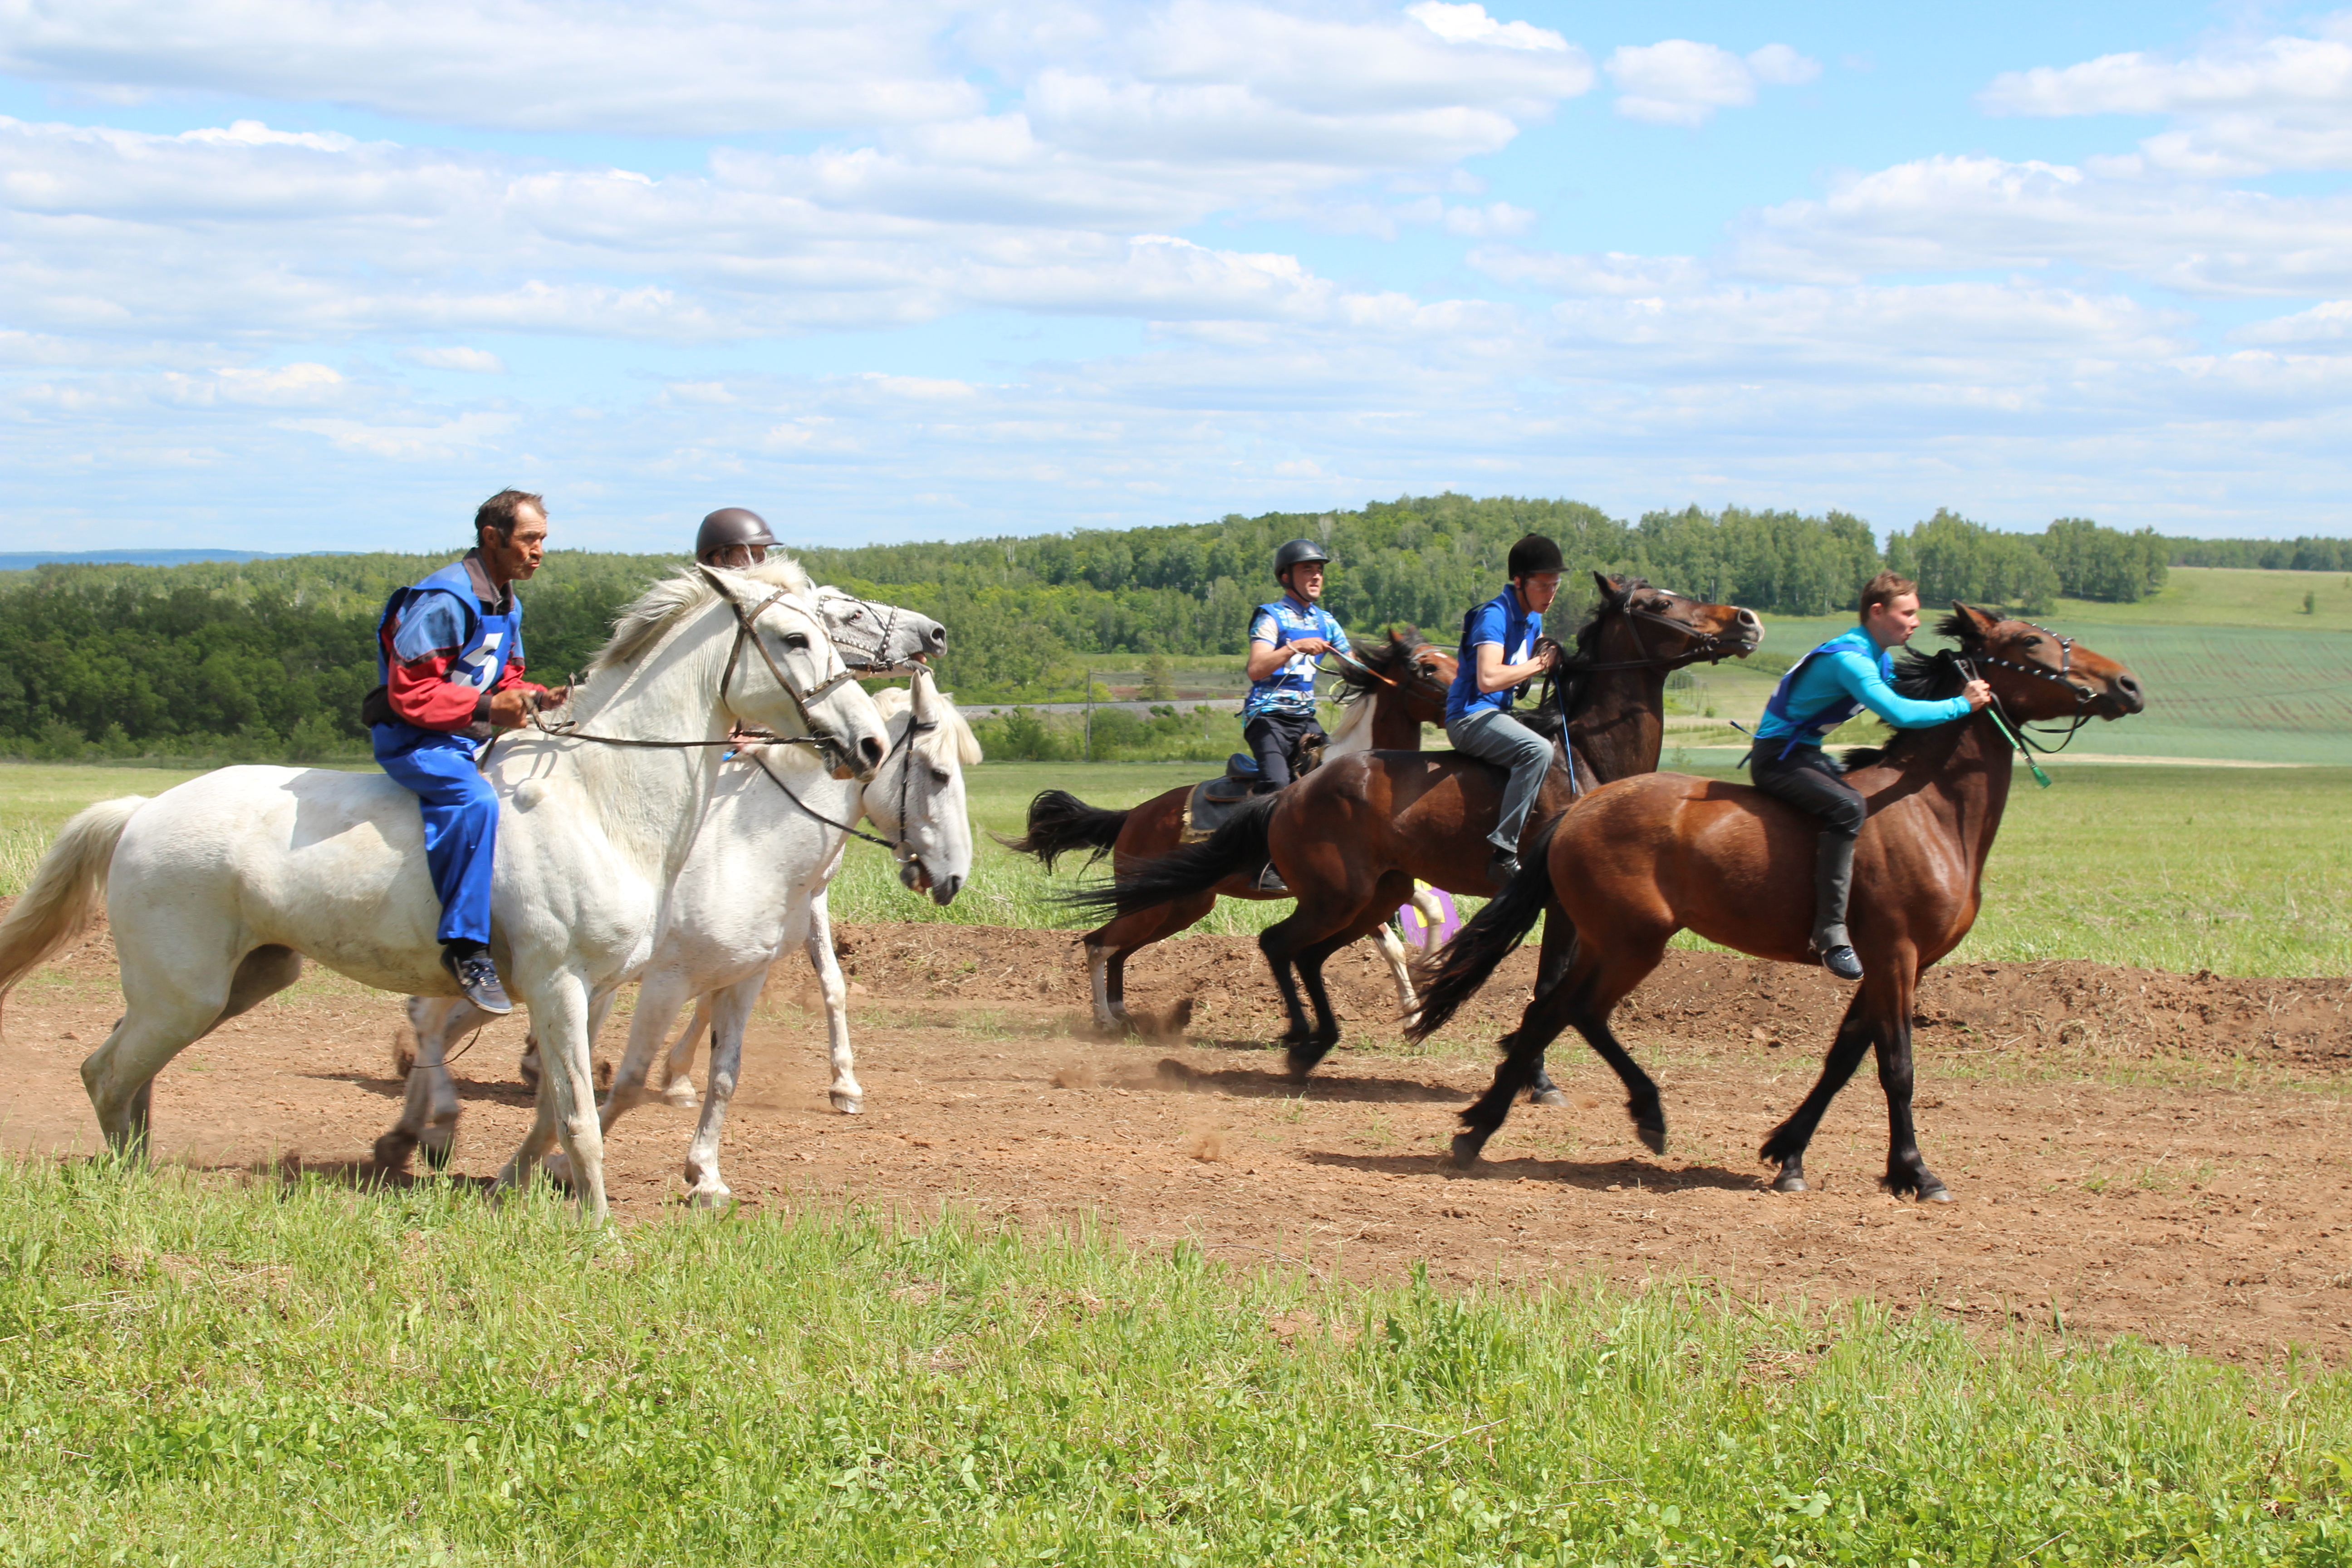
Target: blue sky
[317,274]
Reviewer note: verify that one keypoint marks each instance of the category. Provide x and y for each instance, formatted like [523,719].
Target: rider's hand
[1978,693]
[1313,646]
[512,708]
[555,697]
[1546,656]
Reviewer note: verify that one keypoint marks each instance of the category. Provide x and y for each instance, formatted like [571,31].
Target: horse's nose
[939,639]
[2127,686]
[871,749]
[1749,626]
[943,891]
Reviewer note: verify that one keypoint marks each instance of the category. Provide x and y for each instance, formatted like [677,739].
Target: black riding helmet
[730,525]
[1298,552]
[1533,556]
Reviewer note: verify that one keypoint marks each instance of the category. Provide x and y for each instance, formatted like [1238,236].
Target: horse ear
[717,581]
[1981,621]
[1607,585]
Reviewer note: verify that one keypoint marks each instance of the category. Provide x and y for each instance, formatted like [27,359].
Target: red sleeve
[511,679]
[423,694]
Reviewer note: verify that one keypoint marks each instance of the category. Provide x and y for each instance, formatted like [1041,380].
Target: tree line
[271,657]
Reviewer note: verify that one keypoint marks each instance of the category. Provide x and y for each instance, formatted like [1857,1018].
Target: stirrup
[1269,880]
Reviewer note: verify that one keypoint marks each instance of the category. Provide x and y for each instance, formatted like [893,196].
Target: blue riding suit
[1479,723]
[1280,709]
[1822,691]
[443,646]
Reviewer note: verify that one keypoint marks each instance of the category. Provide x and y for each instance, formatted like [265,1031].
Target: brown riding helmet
[729,526]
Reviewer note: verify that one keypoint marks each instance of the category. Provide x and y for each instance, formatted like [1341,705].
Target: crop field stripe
[199,1371]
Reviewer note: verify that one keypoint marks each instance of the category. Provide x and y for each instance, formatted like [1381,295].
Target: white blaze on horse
[217,889]
[754,886]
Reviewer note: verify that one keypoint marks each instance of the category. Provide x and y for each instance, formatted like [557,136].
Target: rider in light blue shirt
[1288,637]
[1852,671]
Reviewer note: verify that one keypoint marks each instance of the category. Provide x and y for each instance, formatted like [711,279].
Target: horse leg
[1392,951]
[566,1112]
[1272,942]
[1327,1023]
[429,1109]
[1584,997]
[662,996]
[1907,1172]
[1788,1141]
[1551,967]
[847,1096]
[1523,1049]
[677,1083]
[730,1011]
[173,1002]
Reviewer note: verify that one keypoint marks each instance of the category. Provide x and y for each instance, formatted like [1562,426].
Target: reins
[906,777]
[2020,737]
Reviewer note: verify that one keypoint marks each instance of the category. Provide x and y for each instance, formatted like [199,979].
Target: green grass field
[198,1374]
[2242,871]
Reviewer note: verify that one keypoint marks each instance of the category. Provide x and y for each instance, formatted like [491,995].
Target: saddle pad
[1209,806]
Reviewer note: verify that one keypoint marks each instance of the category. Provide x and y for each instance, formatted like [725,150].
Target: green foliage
[1952,558]
[2298,555]
[2095,563]
[203,1374]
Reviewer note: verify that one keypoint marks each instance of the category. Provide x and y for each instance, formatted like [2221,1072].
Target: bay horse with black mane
[1390,690]
[1632,864]
[1351,837]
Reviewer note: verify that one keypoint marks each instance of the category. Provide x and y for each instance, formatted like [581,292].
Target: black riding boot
[1832,882]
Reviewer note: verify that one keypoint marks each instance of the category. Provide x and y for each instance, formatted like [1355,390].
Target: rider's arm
[1268,654]
[1859,679]
[421,648]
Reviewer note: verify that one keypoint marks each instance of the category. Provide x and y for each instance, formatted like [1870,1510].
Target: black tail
[1238,846]
[1464,964]
[1061,824]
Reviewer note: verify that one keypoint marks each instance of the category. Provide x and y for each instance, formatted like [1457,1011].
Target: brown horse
[1635,863]
[1397,687]
[1351,837]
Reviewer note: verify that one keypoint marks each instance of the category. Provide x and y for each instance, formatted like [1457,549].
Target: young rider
[449,650]
[1499,651]
[1829,686]
[1288,638]
[734,537]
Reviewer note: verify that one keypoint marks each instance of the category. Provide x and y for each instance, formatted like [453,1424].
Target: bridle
[2062,675]
[745,632]
[1708,645]
[878,659]
[906,780]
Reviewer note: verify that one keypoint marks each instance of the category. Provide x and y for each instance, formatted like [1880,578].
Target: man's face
[1306,582]
[1538,592]
[514,558]
[1890,625]
[735,557]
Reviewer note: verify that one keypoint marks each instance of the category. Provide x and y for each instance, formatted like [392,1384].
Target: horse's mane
[1390,658]
[1925,677]
[672,598]
[1587,634]
[951,741]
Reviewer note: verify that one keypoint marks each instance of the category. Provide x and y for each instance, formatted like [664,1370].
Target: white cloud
[1471,25]
[1946,213]
[1681,82]
[1614,273]
[481,361]
[2282,103]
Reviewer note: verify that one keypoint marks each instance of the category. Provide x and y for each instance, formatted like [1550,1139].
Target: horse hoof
[709,1197]
[1545,1096]
[1467,1148]
[848,1104]
[1301,1060]
[1790,1184]
[392,1152]
[1653,1139]
[556,1168]
[1934,1192]
[681,1093]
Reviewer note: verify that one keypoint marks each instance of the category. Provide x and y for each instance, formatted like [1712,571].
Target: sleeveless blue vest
[487,643]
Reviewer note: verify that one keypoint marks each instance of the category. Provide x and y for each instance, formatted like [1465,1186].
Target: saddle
[1213,802]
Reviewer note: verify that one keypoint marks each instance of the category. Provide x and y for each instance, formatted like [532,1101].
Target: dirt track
[2139,1153]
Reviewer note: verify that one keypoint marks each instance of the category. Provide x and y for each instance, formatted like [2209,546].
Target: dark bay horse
[1398,685]
[1351,837]
[1632,864]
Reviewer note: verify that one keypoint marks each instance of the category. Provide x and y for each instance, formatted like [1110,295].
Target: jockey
[449,649]
[1503,646]
[733,537]
[1287,638]
[1829,686]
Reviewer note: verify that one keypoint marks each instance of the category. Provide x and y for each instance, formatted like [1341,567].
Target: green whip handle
[2039,776]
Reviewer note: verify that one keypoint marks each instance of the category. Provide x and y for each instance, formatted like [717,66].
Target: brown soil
[2133,1152]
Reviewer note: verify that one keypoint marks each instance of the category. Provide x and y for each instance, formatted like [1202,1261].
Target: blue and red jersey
[443,644]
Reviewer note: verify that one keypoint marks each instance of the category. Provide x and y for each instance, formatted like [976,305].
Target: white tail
[66,888]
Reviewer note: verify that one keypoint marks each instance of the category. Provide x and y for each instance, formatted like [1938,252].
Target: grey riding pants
[1492,735]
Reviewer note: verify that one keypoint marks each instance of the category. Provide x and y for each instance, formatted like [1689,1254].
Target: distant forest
[270,657]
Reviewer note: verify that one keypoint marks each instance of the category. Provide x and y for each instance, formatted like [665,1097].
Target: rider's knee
[1846,818]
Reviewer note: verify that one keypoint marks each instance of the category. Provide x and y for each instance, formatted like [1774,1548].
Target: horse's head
[917,796]
[1416,669]
[2036,673]
[785,675]
[1636,624]
[878,640]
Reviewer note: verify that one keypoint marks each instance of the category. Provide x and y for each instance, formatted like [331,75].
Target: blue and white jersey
[1290,690]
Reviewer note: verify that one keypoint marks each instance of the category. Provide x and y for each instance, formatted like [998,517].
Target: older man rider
[449,653]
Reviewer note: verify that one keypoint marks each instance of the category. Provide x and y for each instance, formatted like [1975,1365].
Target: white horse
[217,889]
[754,884]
